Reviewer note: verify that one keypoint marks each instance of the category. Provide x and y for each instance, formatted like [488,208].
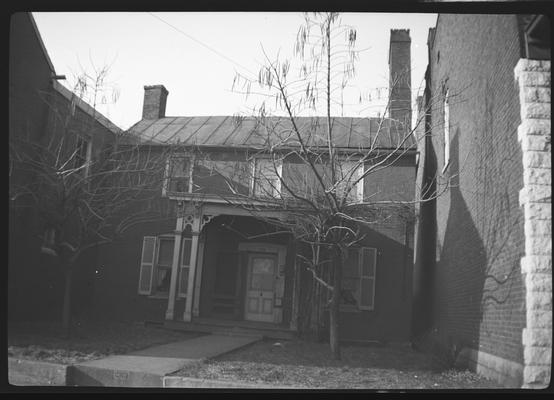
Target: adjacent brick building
[39,109]
[483,265]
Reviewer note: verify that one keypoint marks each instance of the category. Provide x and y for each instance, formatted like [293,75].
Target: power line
[203,44]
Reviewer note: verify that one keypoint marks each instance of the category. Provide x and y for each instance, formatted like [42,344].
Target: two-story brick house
[220,258]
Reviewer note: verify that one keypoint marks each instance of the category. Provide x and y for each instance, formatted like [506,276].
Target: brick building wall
[479,293]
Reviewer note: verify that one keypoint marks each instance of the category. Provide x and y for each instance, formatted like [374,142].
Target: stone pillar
[170,312]
[533,77]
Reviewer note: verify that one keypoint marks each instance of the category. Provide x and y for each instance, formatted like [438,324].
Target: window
[348,173]
[156,265]
[179,174]
[301,179]
[163,264]
[267,173]
[446,132]
[358,280]
[82,154]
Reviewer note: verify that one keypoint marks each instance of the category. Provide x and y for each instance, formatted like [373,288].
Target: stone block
[537,227]
[535,110]
[536,159]
[534,78]
[538,301]
[535,193]
[534,355]
[534,127]
[538,245]
[536,94]
[537,337]
[539,318]
[538,282]
[536,264]
[536,375]
[540,211]
[537,176]
[525,64]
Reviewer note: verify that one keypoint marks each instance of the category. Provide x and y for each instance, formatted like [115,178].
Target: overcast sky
[195,55]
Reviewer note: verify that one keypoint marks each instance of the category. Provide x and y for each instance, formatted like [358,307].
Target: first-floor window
[156,265]
[358,279]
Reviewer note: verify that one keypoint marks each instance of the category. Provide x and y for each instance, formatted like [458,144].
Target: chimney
[400,82]
[155,98]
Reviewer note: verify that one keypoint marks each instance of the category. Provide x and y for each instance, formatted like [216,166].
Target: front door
[260,287]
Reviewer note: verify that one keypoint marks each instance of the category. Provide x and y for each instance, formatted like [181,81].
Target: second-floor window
[179,175]
[267,173]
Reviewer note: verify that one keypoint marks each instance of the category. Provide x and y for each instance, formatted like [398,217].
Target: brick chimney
[155,98]
[400,76]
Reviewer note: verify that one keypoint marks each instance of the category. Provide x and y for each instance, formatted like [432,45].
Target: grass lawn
[310,365]
[44,341]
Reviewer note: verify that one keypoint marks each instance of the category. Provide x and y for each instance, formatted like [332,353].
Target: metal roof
[250,132]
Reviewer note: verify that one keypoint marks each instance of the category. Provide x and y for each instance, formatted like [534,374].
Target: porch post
[187,316]
[170,312]
[198,279]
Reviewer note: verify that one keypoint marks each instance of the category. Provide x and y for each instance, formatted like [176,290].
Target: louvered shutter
[368,259]
[184,268]
[147,264]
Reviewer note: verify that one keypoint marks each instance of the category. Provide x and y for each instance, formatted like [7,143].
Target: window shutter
[147,264]
[184,268]
[368,263]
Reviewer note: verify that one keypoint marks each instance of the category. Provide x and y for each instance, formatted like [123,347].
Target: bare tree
[87,184]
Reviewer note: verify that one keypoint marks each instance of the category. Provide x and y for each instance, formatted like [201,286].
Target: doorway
[260,287]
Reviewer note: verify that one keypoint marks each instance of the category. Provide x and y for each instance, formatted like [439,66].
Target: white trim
[446,130]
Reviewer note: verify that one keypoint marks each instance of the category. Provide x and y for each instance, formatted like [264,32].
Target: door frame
[279,287]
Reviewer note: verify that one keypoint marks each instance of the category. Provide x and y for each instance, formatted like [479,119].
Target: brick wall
[534,135]
[478,292]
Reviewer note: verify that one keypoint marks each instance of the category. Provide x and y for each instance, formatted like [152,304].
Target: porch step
[228,328]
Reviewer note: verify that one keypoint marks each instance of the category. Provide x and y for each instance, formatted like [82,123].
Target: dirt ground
[310,365]
[44,341]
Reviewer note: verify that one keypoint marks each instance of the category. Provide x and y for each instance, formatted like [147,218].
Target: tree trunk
[66,316]
[334,309]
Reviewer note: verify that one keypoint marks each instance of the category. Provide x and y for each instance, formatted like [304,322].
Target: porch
[231,272]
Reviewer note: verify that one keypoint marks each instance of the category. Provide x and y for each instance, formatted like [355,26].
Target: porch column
[170,312]
[198,279]
[187,316]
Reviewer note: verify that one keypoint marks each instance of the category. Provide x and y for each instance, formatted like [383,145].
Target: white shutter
[184,267]
[368,264]
[147,264]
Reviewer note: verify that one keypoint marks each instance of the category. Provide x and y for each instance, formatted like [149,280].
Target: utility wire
[202,44]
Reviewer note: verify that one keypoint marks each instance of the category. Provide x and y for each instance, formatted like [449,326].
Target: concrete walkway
[147,367]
